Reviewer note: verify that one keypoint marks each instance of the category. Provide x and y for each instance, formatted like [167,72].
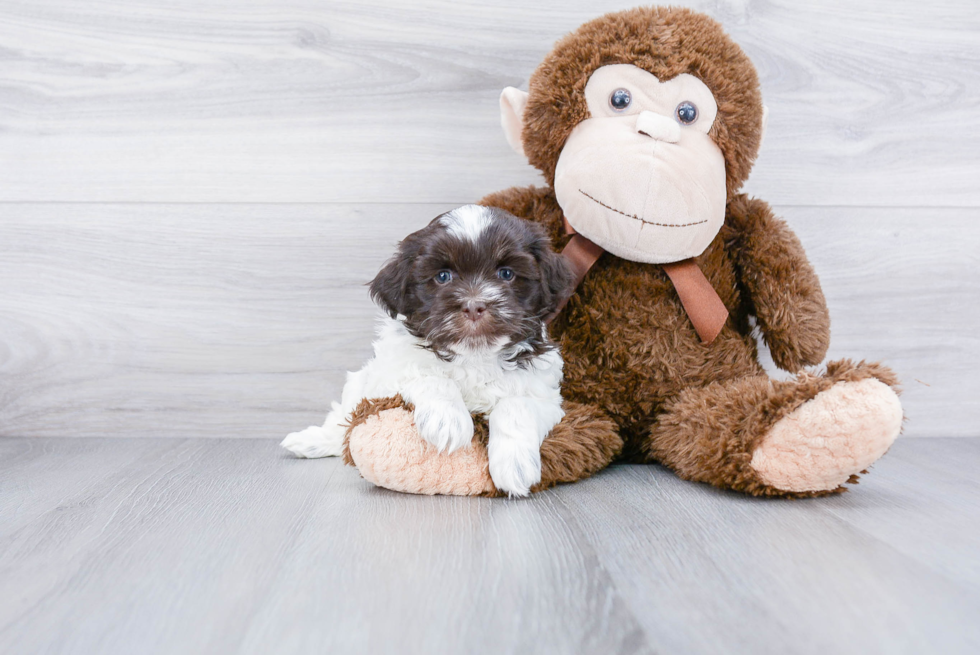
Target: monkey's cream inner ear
[639,190]
[512,103]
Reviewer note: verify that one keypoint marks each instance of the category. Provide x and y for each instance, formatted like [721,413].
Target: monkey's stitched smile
[639,218]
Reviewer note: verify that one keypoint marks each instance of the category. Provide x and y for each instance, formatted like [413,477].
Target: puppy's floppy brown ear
[389,288]
[557,279]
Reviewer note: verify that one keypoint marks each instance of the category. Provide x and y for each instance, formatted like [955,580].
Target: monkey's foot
[389,452]
[384,445]
[838,433]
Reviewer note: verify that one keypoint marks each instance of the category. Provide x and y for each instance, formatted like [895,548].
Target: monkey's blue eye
[620,99]
[686,112]
[444,276]
[505,274]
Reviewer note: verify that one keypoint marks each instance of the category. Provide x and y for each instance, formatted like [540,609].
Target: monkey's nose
[658,126]
[474,309]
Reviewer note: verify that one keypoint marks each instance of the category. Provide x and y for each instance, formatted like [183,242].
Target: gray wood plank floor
[228,546]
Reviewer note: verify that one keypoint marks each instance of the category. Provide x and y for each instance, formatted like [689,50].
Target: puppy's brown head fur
[664,41]
[475,278]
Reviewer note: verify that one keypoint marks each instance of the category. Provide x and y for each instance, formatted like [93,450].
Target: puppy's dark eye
[505,274]
[687,112]
[444,276]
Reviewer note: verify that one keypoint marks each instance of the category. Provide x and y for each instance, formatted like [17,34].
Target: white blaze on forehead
[484,291]
[467,222]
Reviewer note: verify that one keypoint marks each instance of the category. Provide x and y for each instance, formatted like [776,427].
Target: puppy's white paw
[515,464]
[445,424]
[315,441]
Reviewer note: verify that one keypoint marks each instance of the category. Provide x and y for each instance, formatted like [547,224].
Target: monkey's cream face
[641,177]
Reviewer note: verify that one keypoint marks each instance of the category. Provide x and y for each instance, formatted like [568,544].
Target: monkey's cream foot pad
[825,441]
[390,453]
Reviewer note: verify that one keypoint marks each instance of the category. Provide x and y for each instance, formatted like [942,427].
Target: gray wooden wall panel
[194,295]
[873,103]
[239,320]
[902,287]
[204,320]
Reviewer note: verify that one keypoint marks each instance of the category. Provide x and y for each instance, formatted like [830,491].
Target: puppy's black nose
[474,309]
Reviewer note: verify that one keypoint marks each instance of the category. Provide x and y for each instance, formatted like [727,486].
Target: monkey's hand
[784,290]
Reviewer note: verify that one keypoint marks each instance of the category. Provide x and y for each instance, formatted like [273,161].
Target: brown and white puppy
[466,298]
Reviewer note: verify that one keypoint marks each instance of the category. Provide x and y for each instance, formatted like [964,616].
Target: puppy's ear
[557,279]
[389,288]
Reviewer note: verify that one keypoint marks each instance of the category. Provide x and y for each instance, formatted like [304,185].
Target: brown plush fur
[584,443]
[630,349]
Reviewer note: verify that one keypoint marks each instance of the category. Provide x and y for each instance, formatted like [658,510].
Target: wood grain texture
[927,488]
[240,320]
[874,103]
[902,288]
[719,572]
[234,320]
[229,546]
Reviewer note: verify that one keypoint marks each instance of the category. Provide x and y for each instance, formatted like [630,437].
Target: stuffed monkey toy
[645,124]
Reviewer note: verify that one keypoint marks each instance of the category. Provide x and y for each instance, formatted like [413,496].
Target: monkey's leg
[384,445]
[388,451]
[582,444]
[804,437]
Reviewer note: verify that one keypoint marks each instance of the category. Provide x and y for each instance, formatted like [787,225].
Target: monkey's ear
[512,103]
[765,120]
[389,288]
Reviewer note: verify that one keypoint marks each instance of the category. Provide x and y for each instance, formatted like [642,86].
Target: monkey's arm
[536,204]
[782,287]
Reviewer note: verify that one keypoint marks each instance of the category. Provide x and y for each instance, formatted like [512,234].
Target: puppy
[466,298]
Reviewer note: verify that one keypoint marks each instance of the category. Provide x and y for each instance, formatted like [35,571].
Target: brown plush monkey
[645,124]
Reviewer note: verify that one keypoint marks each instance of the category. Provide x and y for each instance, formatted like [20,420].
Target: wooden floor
[229,546]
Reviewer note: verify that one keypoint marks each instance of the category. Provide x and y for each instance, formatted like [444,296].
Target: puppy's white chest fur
[483,377]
